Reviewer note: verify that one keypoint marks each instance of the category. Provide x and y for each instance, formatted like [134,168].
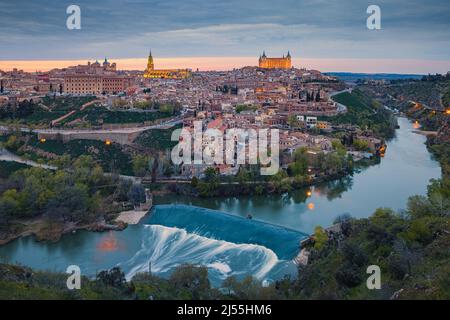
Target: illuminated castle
[151,72]
[275,63]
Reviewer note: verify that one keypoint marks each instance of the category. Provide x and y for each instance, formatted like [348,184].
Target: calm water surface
[404,171]
[168,238]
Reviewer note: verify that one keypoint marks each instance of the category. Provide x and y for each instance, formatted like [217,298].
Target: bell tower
[150,65]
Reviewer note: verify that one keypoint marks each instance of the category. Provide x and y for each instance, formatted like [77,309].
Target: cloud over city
[325,29]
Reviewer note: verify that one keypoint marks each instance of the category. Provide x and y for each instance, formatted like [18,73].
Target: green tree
[9,205]
[292,121]
[320,238]
[137,194]
[191,279]
[339,147]
[361,145]
[140,165]
[194,182]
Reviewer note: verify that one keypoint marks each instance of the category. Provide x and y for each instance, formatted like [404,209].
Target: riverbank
[333,267]
[262,187]
[44,230]
[50,203]
[404,171]
[131,217]
[426,133]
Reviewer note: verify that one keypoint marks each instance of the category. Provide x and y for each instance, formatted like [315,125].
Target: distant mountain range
[351,77]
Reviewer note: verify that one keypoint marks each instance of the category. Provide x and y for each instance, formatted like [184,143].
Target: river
[189,230]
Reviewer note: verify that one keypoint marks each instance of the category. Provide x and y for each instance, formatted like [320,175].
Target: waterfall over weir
[226,244]
[222,226]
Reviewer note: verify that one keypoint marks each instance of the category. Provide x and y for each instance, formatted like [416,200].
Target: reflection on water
[334,189]
[223,243]
[404,171]
[108,243]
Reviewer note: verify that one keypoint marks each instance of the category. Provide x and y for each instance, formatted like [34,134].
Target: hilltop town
[135,112]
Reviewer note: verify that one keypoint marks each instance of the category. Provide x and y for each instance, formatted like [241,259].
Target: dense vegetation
[111,157]
[243,107]
[365,112]
[31,112]
[100,115]
[157,139]
[79,194]
[439,146]
[431,91]
[51,108]
[410,247]
[303,171]
[7,168]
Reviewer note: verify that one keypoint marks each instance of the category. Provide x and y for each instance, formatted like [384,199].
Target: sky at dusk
[328,35]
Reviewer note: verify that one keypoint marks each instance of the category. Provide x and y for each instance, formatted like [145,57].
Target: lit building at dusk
[151,72]
[275,63]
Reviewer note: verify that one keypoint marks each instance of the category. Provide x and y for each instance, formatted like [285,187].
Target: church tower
[152,73]
[150,65]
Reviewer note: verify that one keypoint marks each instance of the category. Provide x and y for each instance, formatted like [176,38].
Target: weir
[223,226]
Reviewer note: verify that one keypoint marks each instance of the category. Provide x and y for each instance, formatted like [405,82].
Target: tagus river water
[215,233]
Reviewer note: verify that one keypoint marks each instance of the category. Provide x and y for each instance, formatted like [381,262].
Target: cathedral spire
[150,65]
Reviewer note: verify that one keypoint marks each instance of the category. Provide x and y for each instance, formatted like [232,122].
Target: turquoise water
[228,244]
[404,171]
[169,236]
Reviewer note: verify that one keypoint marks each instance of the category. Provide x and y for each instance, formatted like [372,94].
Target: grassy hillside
[112,158]
[365,112]
[159,140]
[99,115]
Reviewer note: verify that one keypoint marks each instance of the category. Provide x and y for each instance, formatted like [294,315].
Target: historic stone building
[95,78]
[95,84]
[275,63]
[151,72]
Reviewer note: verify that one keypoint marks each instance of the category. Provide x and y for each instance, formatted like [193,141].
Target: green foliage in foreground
[410,247]
[29,112]
[70,195]
[100,115]
[79,193]
[158,139]
[7,168]
[111,157]
[366,113]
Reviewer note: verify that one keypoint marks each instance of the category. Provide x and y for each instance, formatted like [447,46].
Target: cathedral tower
[150,65]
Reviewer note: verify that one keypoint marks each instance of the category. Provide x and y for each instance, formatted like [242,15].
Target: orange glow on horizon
[311,206]
[228,63]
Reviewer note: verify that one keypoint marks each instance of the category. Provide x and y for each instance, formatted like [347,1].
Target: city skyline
[402,66]
[325,35]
